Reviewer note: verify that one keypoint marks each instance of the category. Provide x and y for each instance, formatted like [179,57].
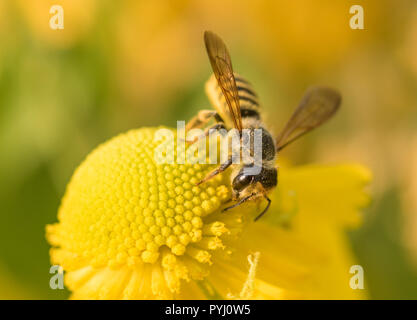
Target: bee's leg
[243,200]
[265,210]
[216,171]
[248,198]
[217,126]
[200,119]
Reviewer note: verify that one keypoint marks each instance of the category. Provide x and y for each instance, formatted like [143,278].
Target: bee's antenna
[265,210]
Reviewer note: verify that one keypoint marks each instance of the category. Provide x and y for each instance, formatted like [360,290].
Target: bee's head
[267,177]
[241,181]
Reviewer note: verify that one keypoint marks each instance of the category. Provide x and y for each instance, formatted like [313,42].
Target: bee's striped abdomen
[249,113]
[248,99]
[247,96]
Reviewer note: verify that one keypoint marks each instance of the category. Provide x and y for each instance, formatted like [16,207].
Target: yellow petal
[310,255]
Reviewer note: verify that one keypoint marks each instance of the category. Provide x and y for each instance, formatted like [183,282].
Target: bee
[236,105]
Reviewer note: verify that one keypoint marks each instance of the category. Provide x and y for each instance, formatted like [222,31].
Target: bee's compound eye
[241,181]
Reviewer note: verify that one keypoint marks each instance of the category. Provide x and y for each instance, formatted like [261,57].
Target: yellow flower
[133,229]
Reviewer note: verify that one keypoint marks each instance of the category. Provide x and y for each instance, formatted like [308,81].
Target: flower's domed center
[122,209]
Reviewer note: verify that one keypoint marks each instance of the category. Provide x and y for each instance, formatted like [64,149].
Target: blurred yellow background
[118,65]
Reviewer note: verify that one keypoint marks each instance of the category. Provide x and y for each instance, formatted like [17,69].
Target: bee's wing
[222,67]
[317,106]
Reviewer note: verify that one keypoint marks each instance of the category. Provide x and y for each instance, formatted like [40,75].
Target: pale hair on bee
[236,106]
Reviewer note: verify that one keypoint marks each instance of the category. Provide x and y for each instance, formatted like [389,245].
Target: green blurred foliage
[127,64]
[379,249]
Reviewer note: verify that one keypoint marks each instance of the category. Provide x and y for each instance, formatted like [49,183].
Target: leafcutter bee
[236,106]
